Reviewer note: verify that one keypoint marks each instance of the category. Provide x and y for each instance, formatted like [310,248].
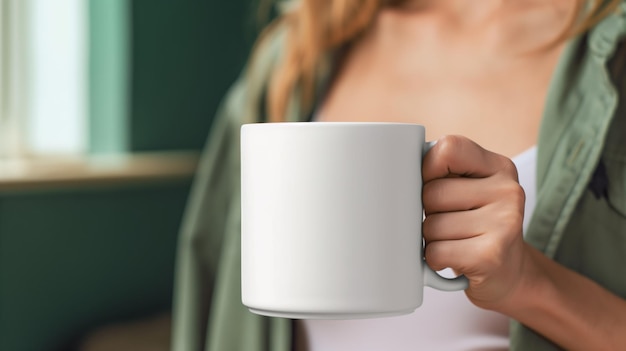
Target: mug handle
[431,278]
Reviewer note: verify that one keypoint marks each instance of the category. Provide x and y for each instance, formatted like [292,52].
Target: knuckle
[509,219]
[450,144]
[491,253]
[509,168]
[513,218]
[514,193]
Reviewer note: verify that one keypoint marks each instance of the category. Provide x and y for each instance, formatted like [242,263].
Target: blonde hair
[316,26]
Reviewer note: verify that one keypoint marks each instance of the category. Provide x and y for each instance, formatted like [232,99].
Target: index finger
[458,155]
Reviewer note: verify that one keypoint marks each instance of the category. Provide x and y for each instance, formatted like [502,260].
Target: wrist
[531,289]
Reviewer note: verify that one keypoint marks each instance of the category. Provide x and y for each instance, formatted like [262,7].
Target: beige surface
[151,334]
[17,174]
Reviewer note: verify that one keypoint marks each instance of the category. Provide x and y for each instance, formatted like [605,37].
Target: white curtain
[43,80]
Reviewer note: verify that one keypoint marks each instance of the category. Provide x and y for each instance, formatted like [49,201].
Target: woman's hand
[474,209]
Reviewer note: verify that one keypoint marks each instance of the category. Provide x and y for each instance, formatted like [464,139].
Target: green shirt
[582,141]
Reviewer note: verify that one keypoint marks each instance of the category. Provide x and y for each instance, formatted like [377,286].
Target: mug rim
[328,124]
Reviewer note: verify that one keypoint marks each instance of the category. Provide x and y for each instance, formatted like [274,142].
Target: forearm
[566,307]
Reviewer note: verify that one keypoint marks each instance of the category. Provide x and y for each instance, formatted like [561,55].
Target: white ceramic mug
[332,220]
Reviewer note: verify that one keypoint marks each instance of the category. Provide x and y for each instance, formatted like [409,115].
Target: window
[43,78]
[65,83]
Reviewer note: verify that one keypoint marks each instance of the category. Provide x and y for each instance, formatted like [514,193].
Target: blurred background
[104,108]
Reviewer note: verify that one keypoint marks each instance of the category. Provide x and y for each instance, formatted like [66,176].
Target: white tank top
[445,321]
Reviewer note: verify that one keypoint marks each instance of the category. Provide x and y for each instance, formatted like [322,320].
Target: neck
[515,27]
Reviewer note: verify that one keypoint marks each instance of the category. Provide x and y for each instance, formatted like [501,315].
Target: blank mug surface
[331,219]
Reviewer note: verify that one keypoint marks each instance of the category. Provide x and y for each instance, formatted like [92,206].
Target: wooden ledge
[49,172]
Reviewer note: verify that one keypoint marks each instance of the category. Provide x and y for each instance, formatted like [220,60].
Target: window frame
[13,82]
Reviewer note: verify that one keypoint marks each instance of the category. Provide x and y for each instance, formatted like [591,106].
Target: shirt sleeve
[204,224]
[207,310]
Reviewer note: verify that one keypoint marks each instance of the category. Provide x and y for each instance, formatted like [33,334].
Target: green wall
[73,259]
[172,105]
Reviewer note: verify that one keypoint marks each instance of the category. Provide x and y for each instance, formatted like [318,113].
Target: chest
[495,100]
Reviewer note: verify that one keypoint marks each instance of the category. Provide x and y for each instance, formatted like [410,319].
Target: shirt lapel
[581,104]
